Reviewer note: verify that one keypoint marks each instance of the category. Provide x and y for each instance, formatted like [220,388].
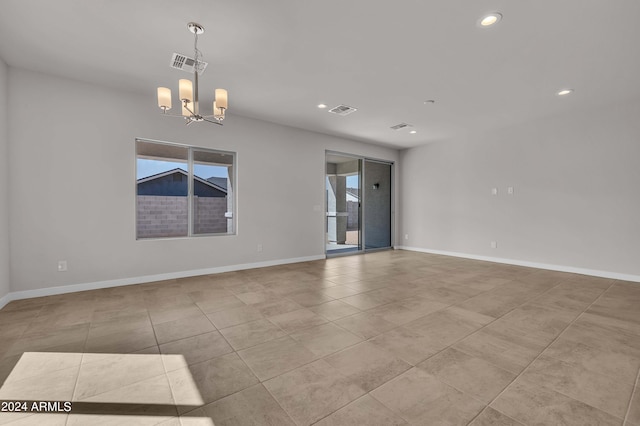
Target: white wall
[576,199]
[4,184]
[73,185]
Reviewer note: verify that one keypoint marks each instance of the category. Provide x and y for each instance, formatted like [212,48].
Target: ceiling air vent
[184,63]
[401,126]
[342,110]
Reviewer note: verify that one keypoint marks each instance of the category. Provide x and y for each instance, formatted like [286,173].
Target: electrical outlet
[494,244]
[406,236]
[259,247]
[62,266]
[510,190]
[494,191]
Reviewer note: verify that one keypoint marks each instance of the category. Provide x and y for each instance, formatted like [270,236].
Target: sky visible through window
[153,167]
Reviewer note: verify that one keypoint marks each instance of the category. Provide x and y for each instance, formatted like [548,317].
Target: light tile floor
[388,338]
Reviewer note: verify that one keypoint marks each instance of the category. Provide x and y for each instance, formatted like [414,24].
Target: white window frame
[190,191]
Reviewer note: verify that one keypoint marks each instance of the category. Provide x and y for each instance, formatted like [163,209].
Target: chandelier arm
[193,114]
[212,121]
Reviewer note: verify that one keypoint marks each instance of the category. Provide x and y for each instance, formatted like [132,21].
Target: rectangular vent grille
[184,63]
[400,126]
[342,110]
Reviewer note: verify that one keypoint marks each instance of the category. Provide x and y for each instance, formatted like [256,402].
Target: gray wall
[576,198]
[4,183]
[84,167]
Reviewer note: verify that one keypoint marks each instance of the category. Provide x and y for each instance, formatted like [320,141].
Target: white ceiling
[281,58]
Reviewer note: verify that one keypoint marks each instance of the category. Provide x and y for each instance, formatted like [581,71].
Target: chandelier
[188,90]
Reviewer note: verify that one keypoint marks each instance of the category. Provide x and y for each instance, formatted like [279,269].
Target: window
[183,191]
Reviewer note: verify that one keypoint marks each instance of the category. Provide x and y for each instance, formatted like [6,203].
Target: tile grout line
[130,353]
[164,367]
[415,366]
[178,415]
[459,340]
[278,402]
[297,342]
[75,385]
[341,350]
[509,417]
[155,337]
[542,352]
[337,371]
[485,326]
[210,322]
[430,313]
[633,393]
[260,382]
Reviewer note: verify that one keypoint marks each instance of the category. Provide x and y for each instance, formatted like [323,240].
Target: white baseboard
[551,267]
[50,291]
[5,299]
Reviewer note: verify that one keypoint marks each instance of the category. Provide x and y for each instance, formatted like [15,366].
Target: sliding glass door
[342,189]
[358,204]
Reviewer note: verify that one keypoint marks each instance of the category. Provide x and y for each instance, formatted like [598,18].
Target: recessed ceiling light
[490,19]
[413,132]
[322,106]
[564,92]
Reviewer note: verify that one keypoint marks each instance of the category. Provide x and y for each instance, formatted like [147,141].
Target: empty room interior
[325,213]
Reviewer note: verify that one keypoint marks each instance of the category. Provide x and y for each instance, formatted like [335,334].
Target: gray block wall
[208,215]
[162,216]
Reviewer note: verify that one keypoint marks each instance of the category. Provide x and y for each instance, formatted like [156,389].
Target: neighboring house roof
[220,181]
[209,182]
[353,194]
[158,185]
